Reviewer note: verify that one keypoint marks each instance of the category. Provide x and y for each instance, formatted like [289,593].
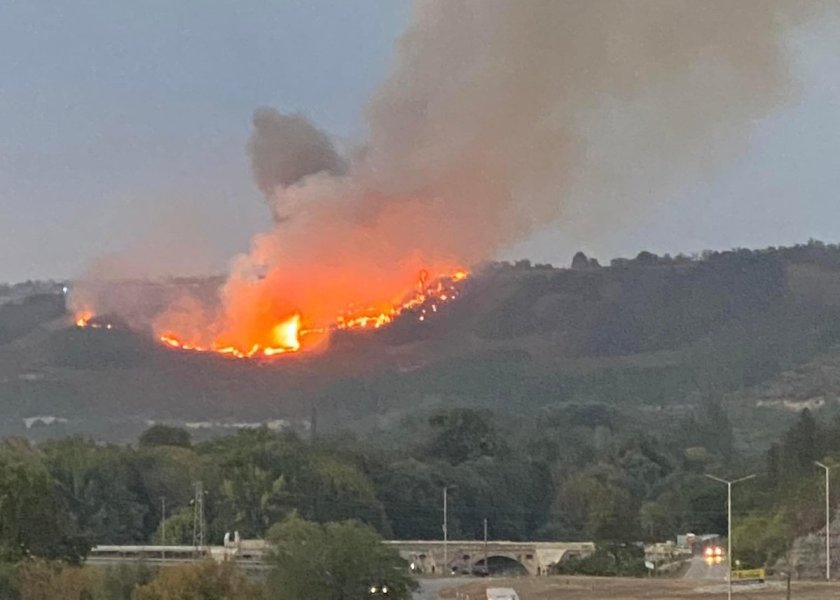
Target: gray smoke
[284,149]
[510,113]
[497,118]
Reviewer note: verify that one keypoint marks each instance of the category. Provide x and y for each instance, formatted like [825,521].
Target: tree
[758,541]
[411,494]
[645,258]
[803,443]
[208,580]
[600,506]
[463,434]
[34,519]
[580,261]
[342,491]
[259,475]
[169,473]
[103,487]
[165,435]
[335,561]
[623,560]
[119,582]
[179,528]
[43,580]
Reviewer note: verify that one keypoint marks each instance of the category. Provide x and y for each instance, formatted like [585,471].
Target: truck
[502,594]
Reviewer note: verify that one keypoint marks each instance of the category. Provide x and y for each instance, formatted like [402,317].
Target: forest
[577,473]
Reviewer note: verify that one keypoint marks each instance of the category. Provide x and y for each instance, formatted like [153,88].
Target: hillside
[651,338]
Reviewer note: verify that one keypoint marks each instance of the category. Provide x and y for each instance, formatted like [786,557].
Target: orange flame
[292,333]
[285,336]
[83,318]
[259,335]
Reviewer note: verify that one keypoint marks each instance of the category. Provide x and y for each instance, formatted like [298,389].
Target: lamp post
[445,532]
[163,527]
[827,521]
[445,527]
[729,484]
[486,564]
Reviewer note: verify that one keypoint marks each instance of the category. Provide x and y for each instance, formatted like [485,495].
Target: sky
[123,128]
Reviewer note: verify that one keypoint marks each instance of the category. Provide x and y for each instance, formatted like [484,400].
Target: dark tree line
[572,472]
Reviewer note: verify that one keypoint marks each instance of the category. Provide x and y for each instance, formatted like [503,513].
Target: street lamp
[827,521]
[729,484]
[163,527]
[445,532]
[446,488]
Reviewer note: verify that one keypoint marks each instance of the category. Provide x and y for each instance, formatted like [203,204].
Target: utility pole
[729,525]
[827,521]
[198,517]
[486,564]
[163,527]
[445,535]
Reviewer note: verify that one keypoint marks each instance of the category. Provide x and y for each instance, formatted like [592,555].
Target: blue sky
[123,127]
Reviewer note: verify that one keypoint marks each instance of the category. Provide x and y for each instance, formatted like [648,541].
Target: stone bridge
[457,556]
[425,557]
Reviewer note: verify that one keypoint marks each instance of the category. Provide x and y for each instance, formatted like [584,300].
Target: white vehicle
[502,594]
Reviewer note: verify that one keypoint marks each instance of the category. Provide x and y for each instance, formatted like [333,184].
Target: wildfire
[84,319]
[426,298]
[292,333]
[286,337]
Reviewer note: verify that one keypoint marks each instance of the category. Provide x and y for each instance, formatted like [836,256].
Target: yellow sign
[748,575]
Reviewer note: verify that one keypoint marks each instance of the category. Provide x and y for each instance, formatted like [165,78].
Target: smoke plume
[495,118]
[286,148]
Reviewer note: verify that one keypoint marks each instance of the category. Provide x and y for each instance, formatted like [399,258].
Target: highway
[429,588]
[700,568]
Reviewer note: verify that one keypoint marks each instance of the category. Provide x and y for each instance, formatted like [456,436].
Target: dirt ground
[594,588]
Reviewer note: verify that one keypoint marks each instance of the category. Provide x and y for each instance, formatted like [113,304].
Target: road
[429,588]
[699,568]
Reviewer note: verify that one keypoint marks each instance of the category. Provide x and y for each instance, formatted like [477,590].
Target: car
[502,594]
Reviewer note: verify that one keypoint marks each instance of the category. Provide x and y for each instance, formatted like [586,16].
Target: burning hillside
[298,332]
[495,117]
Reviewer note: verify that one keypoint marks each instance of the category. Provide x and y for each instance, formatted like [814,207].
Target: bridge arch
[500,564]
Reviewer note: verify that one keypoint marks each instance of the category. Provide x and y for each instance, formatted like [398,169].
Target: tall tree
[208,580]
[165,435]
[336,561]
[462,434]
[803,441]
[34,519]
